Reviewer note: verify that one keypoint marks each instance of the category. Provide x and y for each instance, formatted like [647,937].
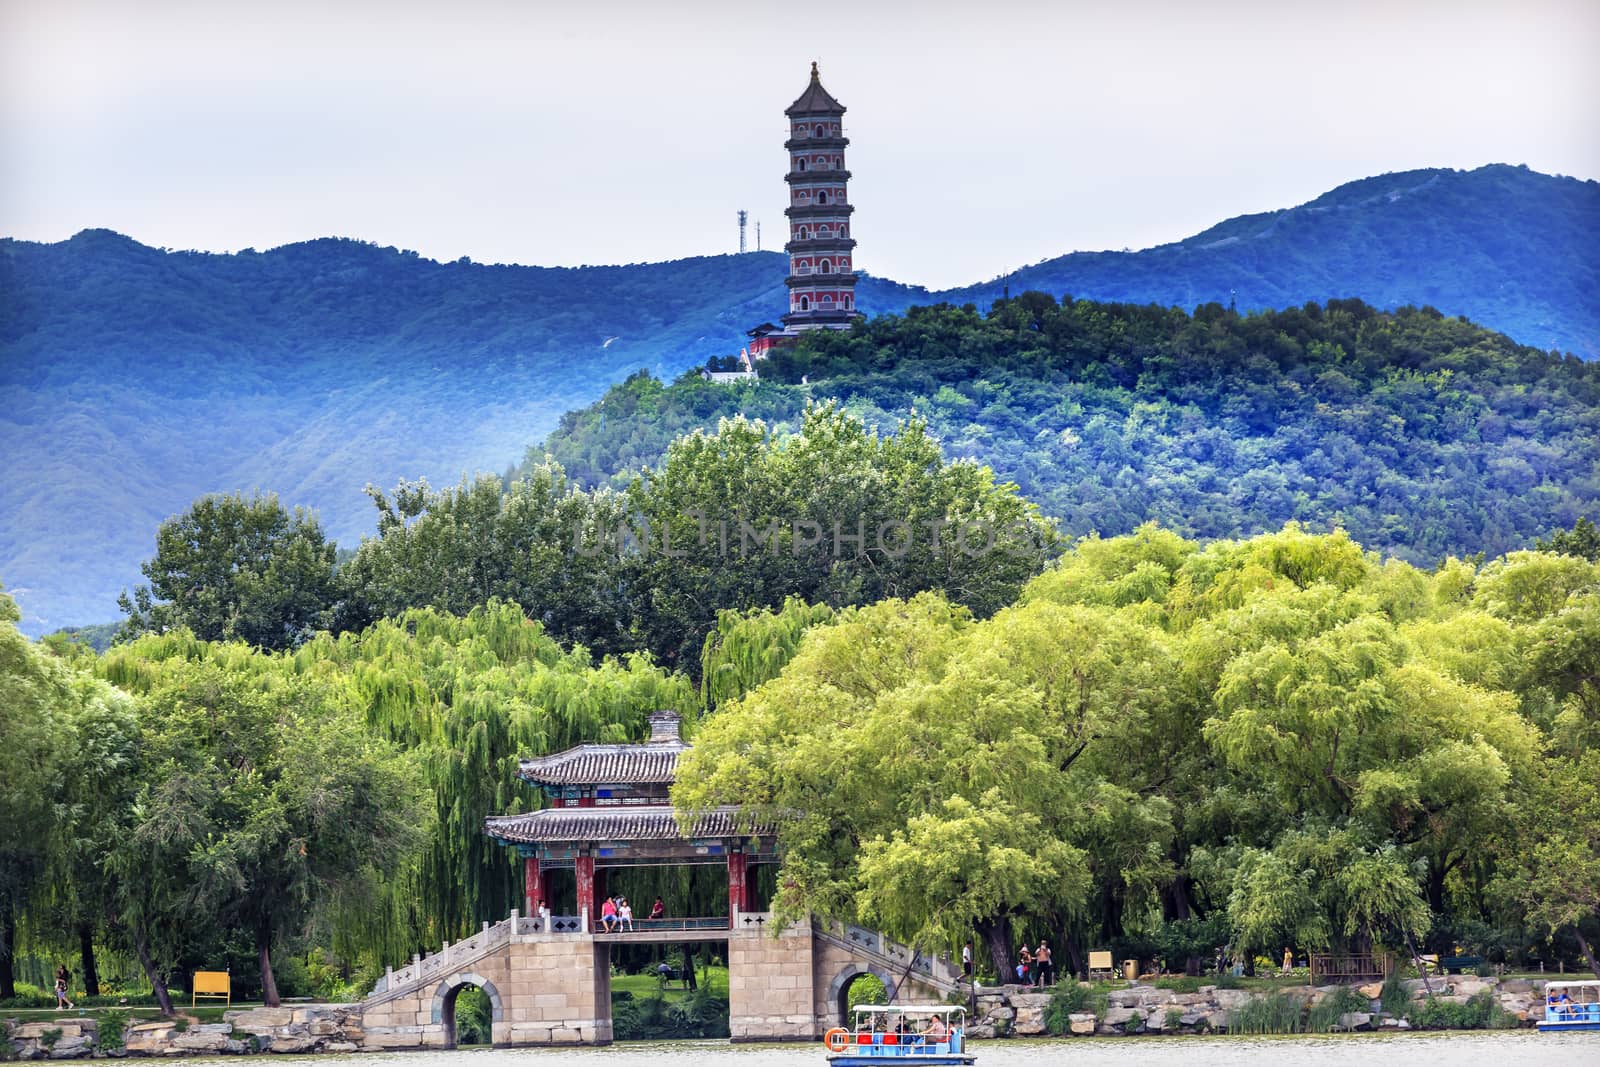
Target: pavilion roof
[815,100]
[653,763]
[642,822]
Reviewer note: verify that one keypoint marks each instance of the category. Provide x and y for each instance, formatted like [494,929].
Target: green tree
[264,799]
[36,696]
[235,569]
[939,734]
[456,549]
[1582,540]
[835,514]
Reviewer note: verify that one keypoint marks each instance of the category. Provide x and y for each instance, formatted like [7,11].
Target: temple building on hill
[608,808]
[822,279]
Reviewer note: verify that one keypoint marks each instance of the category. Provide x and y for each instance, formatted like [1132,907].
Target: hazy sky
[985,135]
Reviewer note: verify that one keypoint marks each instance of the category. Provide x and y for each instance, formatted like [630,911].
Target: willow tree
[35,696]
[471,696]
[747,649]
[263,798]
[905,737]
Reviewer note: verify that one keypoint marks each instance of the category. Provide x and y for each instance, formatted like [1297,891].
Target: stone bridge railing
[452,957]
[900,959]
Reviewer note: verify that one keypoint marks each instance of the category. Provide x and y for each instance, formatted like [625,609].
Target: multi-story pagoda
[822,278]
[606,806]
[822,283]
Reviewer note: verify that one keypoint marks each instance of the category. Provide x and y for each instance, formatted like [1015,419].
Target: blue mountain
[134,379]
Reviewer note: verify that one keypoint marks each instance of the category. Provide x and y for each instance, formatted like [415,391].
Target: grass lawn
[646,985]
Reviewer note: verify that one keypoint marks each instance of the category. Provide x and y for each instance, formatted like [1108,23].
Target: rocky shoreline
[1017,1011]
[1002,1011]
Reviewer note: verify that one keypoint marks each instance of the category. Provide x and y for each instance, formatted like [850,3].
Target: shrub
[1271,1014]
[1135,1023]
[49,1038]
[1480,1012]
[1324,1018]
[1174,1019]
[1070,998]
[108,1035]
[1395,998]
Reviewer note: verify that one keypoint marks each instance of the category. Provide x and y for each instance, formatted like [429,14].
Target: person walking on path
[1044,962]
[1288,960]
[61,989]
[1025,967]
[966,959]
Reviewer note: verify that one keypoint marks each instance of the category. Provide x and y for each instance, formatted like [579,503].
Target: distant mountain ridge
[1505,246]
[134,379]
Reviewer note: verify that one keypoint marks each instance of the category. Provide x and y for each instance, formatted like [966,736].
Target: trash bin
[1130,969]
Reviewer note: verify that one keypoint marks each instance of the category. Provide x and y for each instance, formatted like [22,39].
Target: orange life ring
[837,1039]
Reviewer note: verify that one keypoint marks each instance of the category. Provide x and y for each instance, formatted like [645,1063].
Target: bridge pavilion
[607,807]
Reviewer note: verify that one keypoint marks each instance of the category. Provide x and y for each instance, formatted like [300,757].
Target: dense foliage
[1421,435]
[1286,739]
[133,379]
[732,520]
[231,569]
[217,803]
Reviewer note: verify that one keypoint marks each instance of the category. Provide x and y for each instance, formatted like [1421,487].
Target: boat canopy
[912,1009]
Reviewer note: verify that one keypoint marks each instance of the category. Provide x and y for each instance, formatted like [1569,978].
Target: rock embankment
[313,1028]
[1002,1011]
[1017,1011]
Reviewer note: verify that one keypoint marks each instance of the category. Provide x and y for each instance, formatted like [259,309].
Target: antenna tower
[758,235]
[742,216]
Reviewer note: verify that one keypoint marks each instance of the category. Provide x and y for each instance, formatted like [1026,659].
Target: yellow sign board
[212,985]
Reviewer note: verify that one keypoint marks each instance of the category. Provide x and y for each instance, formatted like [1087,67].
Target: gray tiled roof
[655,762]
[815,100]
[631,823]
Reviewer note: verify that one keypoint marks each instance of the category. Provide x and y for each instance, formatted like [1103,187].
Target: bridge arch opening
[467,1007]
[858,985]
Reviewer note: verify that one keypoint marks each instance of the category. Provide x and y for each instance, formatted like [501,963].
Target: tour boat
[911,1033]
[1571,1006]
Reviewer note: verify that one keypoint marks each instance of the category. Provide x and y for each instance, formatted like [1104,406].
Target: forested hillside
[1420,434]
[1505,246]
[134,379]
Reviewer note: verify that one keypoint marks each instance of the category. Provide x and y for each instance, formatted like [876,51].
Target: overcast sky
[985,134]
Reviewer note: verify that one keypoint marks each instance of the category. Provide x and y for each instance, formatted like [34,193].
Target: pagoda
[822,278]
[606,806]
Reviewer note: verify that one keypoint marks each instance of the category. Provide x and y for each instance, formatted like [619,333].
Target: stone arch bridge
[550,983]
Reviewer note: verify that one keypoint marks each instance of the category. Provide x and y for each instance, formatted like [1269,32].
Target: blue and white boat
[1571,1006]
[932,1034]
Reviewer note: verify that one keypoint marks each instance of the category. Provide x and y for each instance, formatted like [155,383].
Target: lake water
[1521,1048]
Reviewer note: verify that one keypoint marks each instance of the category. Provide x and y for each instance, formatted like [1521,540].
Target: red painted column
[583,867]
[738,876]
[532,886]
[749,903]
